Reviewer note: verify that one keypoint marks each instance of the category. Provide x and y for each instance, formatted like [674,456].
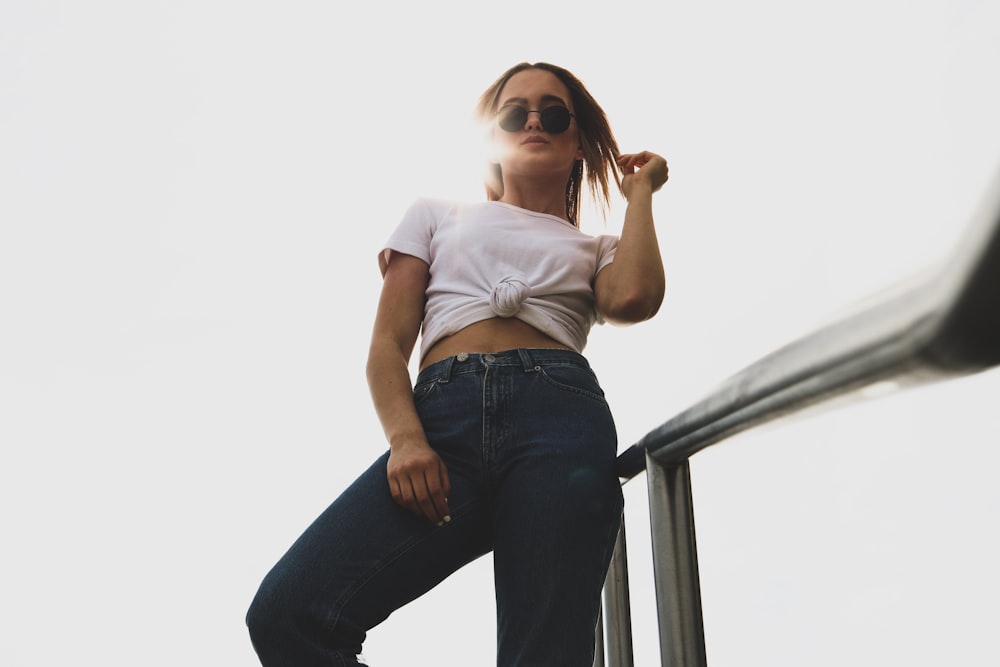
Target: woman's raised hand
[644,167]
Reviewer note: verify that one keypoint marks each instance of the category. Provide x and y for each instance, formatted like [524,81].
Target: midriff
[492,335]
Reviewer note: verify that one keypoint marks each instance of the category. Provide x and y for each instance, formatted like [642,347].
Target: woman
[505,442]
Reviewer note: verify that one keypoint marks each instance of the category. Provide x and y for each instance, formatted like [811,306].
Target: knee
[268,623]
[286,629]
[260,622]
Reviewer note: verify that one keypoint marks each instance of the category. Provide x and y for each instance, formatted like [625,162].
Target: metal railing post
[618,606]
[675,561]
[599,641]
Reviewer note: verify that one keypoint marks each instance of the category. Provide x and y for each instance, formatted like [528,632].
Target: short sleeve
[606,247]
[413,234]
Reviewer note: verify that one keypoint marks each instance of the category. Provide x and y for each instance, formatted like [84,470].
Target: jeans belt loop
[526,361]
[446,372]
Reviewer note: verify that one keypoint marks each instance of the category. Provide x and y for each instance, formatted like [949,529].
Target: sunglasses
[554,119]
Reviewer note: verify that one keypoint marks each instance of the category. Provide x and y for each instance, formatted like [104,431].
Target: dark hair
[597,142]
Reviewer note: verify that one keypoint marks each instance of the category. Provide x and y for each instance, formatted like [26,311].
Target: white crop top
[490,259]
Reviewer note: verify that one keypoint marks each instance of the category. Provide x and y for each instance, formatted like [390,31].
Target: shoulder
[416,230]
[430,208]
[423,216]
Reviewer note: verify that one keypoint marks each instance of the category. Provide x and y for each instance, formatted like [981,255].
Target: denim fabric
[530,447]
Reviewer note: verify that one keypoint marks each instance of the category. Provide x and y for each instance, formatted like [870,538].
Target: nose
[533,121]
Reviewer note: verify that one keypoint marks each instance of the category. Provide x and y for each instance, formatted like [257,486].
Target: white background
[192,197]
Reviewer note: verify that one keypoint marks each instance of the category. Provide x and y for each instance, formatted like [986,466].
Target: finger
[437,492]
[425,501]
[626,159]
[402,493]
[396,490]
[445,478]
[441,491]
[642,157]
[634,163]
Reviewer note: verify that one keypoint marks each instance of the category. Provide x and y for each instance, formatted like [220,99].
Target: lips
[534,139]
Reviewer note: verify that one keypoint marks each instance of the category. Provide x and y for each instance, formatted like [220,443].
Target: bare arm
[418,479]
[631,288]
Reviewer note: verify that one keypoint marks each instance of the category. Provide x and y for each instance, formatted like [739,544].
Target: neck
[533,196]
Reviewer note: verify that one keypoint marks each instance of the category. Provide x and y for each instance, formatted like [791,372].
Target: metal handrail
[943,324]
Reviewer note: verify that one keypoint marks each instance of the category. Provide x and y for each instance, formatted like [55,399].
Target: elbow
[633,308]
[372,369]
[385,357]
[377,360]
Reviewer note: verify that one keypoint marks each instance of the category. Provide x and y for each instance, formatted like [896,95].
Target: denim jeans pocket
[423,389]
[573,378]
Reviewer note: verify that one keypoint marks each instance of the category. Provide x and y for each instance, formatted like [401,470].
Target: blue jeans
[530,448]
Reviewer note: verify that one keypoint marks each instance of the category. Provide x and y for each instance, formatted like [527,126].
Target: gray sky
[192,197]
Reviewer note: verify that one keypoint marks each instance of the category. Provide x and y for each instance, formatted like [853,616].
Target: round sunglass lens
[512,118]
[555,119]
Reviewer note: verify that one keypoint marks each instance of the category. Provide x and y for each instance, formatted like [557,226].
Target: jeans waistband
[530,359]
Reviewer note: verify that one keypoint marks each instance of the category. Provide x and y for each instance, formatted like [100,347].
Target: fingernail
[439,524]
[447,519]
